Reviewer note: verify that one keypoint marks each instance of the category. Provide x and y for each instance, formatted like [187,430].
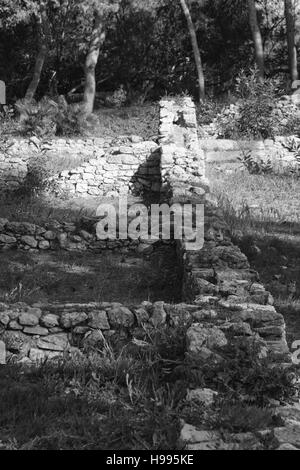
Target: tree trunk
[196,50]
[290,32]
[44,34]
[257,39]
[97,39]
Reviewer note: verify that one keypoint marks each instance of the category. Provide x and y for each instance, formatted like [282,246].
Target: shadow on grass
[88,277]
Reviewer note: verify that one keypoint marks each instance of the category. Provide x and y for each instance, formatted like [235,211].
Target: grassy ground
[84,277]
[141,120]
[134,398]
[131,120]
[263,212]
[41,208]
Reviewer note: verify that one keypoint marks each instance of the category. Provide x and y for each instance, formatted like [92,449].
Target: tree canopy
[145,45]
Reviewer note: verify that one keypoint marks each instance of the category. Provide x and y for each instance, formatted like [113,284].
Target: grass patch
[142,120]
[106,401]
[84,277]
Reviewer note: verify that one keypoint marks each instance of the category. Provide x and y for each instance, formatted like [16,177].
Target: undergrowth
[133,397]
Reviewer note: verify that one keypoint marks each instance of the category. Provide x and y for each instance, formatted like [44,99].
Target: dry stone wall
[98,167]
[63,236]
[232,305]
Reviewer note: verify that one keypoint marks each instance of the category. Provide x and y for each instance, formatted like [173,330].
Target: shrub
[48,118]
[237,418]
[118,98]
[259,113]
[256,166]
[207,111]
[7,122]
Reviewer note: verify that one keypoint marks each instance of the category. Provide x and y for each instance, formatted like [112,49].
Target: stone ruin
[222,297]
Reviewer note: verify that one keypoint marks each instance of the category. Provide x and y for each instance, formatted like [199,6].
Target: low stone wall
[98,167]
[232,305]
[228,152]
[64,236]
[133,168]
[38,332]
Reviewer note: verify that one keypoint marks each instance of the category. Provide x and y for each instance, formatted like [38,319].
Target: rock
[144,249]
[3,223]
[120,317]
[34,311]
[200,336]
[14,325]
[204,314]
[71,319]
[287,447]
[159,315]
[238,329]
[49,320]
[2,353]
[191,435]
[44,245]
[290,411]
[56,342]
[28,319]
[49,235]
[141,315]
[180,313]
[98,320]
[16,341]
[81,330]
[93,339]
[30,241]
[36,355]
[202,395]
[290,434]
[7,239]
[86,235]
[36,330]
[4,318]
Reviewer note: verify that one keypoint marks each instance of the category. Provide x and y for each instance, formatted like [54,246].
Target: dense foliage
[147,50]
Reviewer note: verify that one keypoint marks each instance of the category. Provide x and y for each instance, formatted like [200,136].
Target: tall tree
[97,38]
[257,38]
[101,9]
[43,28]
[289,8]
[196,50]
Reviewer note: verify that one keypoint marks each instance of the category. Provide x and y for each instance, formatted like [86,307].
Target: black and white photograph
[150,228]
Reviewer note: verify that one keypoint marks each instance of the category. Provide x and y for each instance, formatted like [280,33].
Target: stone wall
[228,152]
[231,307]
[63,236]
[218,276]
[98,167]
[182,160]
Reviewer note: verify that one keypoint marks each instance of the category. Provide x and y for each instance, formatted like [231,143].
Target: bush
[259,113]
[256,166]
[207,111]
[48,118]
